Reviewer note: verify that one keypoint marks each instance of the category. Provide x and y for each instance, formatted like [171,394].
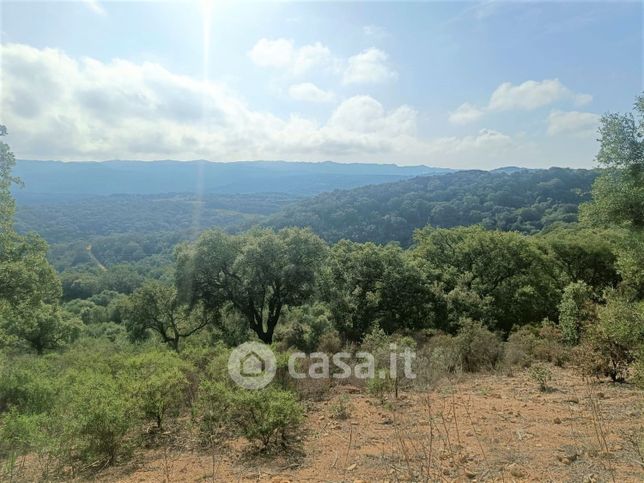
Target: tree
[503,279]
[583,254]
[7,203]
[29,288]
[259,273]
[618,194]
[155,308]
[367,285]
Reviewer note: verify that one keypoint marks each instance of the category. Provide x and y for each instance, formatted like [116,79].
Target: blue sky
[464,85]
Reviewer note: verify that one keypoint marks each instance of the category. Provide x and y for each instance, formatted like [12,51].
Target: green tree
[29,288]
[259,273]
[618,194]
[503,279]
[366,284]
[155,308]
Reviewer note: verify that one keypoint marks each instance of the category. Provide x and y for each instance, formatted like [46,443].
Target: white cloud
[309,92]
[309,56]
[58,107]
[486,140]
[533,95]
[465,114]
[95,7]
[369,67]
[582,124]
[282,53]
[375,32]
[272,53]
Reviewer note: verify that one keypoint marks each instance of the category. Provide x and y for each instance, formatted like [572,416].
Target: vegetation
[101,358]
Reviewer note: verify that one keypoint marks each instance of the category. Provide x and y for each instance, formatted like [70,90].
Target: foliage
[155,308]
[618,194]
[541,375]
[264,416]
[258,273]
[478,348]
[525,201]
[367,285]
[614,341]
[501,279]
[575,310]
[160,382]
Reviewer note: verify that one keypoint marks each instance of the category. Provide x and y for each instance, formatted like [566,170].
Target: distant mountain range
[75,179]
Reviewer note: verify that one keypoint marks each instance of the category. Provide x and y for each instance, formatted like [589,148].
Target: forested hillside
[63,219]
[519,200]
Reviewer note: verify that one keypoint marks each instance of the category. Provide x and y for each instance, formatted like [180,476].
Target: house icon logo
[252,365]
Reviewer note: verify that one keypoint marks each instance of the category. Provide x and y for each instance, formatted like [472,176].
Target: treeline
[526,201]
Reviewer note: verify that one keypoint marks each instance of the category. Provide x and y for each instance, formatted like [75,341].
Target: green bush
[212,410]
[97,412]
[574,311]
[265,416]
[27,386]
[615,340]
[160,382]
[541,375]
[478,348]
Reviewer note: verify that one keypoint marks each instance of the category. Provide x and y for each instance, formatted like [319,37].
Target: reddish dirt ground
[475,428]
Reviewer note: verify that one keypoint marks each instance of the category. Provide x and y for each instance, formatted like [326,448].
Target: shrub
[379,387]
[614,341]
[262,416]
[160,382]
[26,386]
[520,346]
[330,342]
[96,411]
[574,311]
[478,348]
[541,375]
[548,346]
[340,409]
[266,415]
[212,409]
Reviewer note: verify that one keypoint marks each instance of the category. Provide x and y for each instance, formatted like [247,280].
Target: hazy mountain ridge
[156,177]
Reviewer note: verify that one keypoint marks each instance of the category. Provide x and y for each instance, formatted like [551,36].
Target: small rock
[574,400]
[352,467]
[601,395]
[557,421]
[469,433]
[516,471]
[591,478]
[470,474]
[321,418]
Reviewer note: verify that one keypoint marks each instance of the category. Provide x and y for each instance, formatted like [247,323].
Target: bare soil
[473,428]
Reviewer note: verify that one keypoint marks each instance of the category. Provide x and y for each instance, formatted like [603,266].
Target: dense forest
[525,200]
[476,271]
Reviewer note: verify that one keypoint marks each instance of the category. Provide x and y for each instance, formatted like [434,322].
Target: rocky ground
[474,428]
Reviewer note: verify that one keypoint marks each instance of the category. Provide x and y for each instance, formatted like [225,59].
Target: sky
[449,84]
